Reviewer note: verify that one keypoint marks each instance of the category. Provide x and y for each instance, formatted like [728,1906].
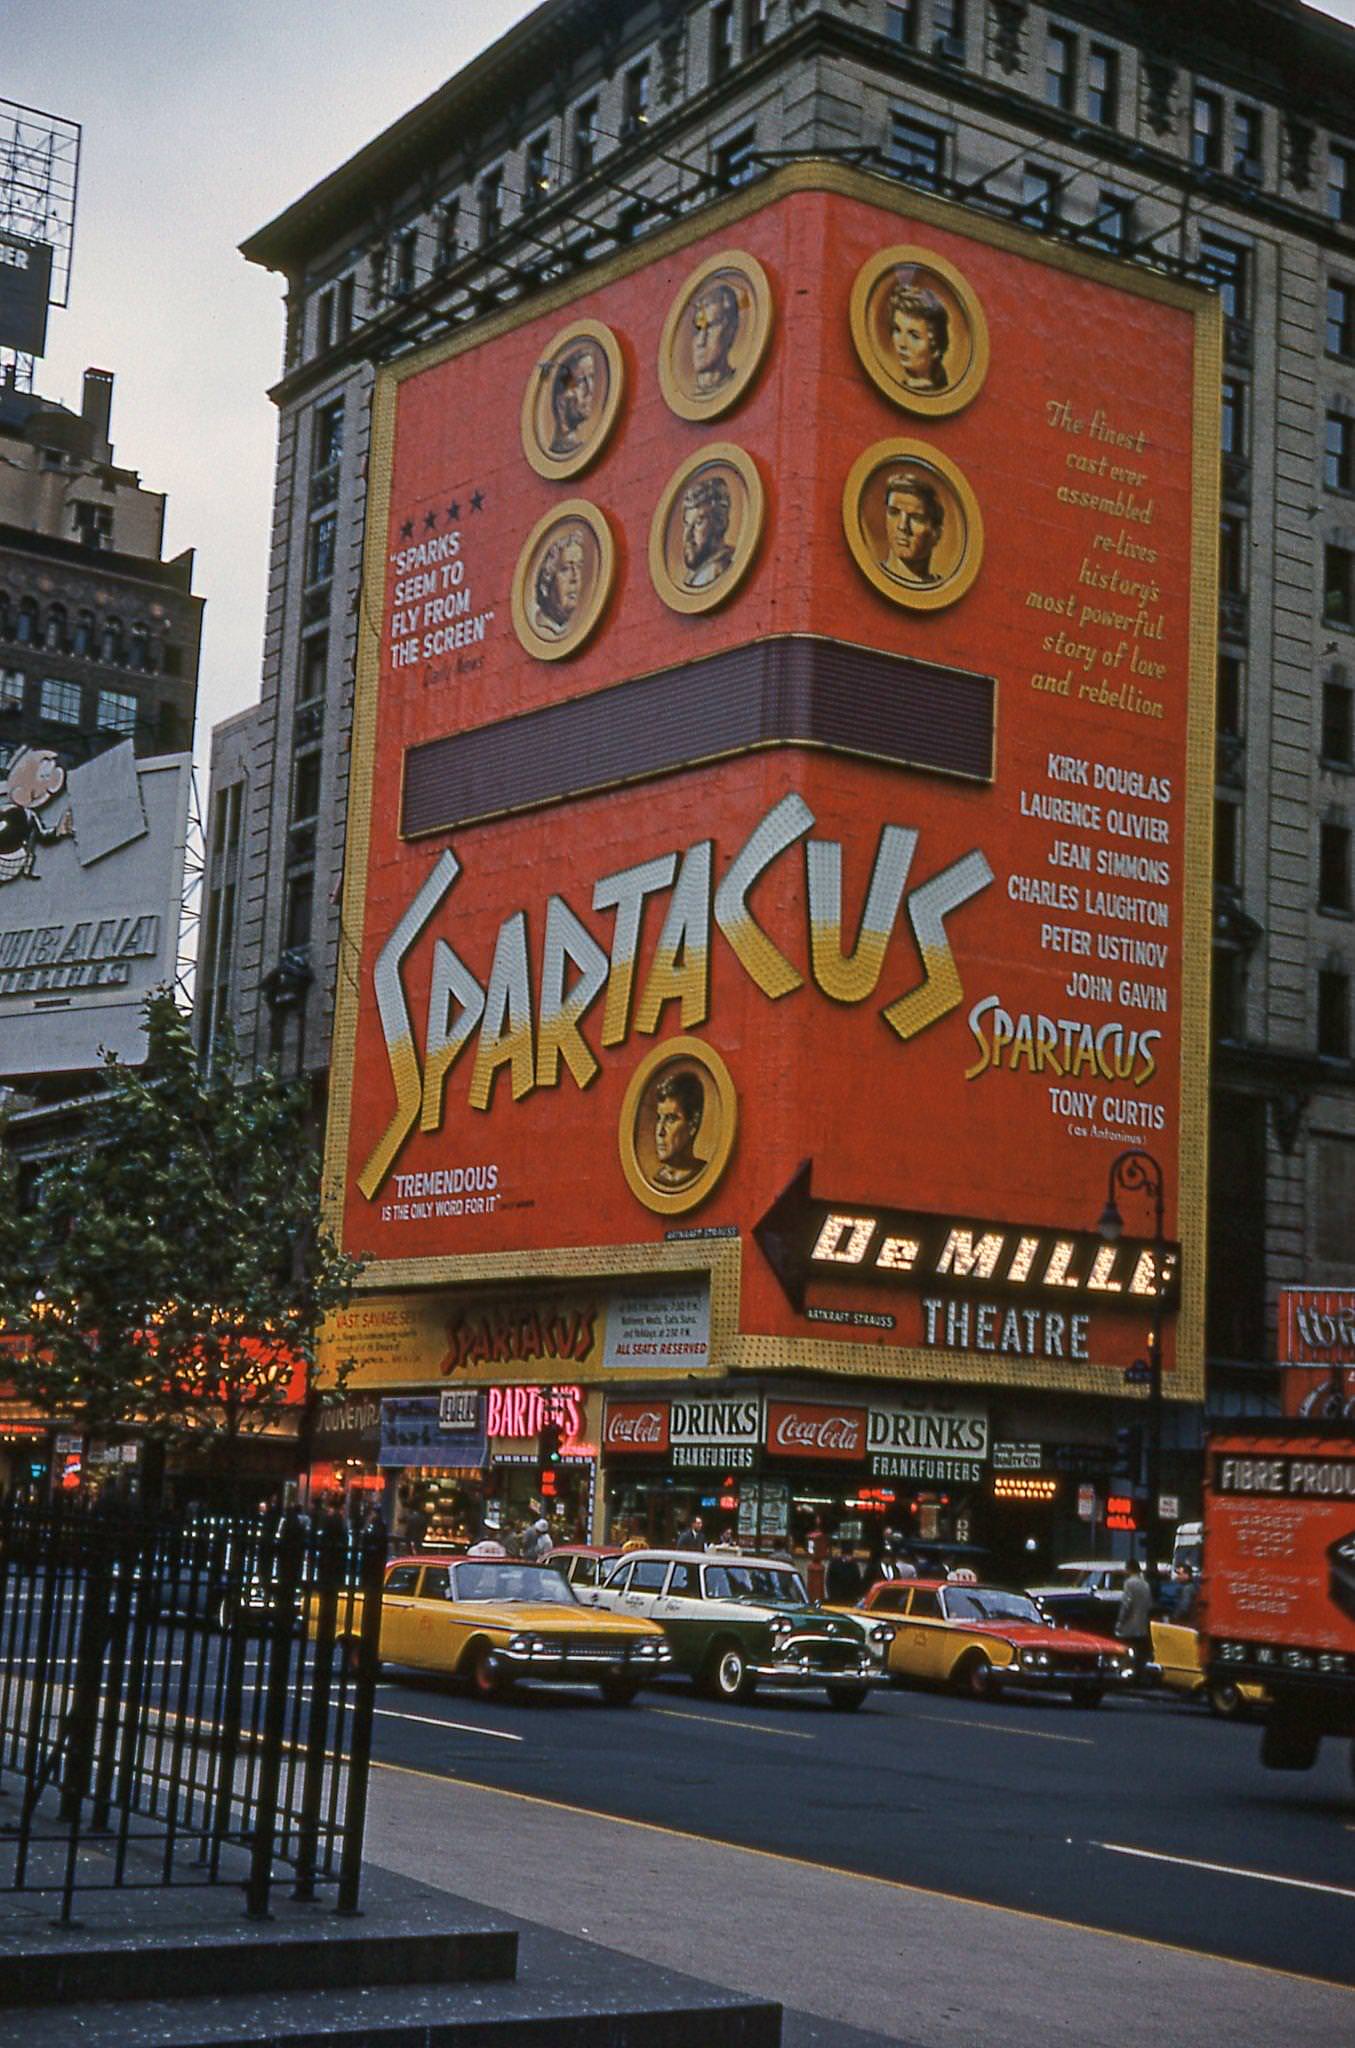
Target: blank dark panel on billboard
[784,692]
[25,286]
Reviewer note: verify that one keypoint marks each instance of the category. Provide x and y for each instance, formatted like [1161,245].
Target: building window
[1338,468]
[110,641]
[586,137]
[754,26]
[1040,192]
[306,788]
[1341,183]
[736,160]
[11,689]
[296,924]
[1233,555]
[82,641]
[1338,586]
[1113,223]
[1333,867]
[117,712]
[1060,68]
[489,204]
[1233,417]
[314,669]
[916,152]
[139,646]
[901,23]
[722,40]
[948,25]
[1333,1013]
[59,701]
[1227,817]
[1103,85]
[538,169]
[324,322]
[1229,693]
[26,622]
[1338,724]
[343,309]
[1224,266]
[327,435]
[1229,996]
[54,629]
[635,103]
[320,549]
[1340,319]
[93,524]
[1247,143]
[407,261]
[1206,141]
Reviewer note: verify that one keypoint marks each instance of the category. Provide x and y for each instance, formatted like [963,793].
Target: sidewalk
[902,1965]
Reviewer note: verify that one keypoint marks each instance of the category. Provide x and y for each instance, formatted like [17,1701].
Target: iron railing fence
[170,1691]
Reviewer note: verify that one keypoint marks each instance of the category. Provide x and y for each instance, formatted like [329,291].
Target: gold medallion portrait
[913,524]
[572,399]
[563,580]
[706,528]
[715,336]
[677,1126]
[919,330]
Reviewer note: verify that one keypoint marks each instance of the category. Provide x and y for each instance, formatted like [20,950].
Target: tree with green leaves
[168,1274]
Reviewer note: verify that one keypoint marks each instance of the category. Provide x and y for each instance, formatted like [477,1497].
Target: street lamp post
[1139,1172]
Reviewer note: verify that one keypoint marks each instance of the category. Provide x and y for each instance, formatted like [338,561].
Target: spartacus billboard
[779,836]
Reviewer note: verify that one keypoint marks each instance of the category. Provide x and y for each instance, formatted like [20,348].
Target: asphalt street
[1146,1818]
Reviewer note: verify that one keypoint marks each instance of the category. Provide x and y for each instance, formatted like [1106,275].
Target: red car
[983,1641]
[584,1564]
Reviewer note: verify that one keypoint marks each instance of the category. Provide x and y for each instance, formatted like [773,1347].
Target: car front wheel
[845,1699]
[618,1691]
[1088,1695]
[1225,1700]
[730,1677]
[975,1678]
[487,1680]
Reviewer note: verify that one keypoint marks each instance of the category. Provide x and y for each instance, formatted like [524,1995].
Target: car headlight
[647,1648]
[520,1646]
[781,1625]
[1029,1659]
[882,1633]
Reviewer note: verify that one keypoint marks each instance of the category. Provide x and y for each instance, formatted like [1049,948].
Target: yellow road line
[893,1884]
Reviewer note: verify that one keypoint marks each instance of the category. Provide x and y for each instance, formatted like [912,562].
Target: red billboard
[1280,1543]
[779,822]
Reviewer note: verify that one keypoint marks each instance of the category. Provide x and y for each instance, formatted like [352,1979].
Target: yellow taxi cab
[984,1641]
[494,1621]
[1176,1653]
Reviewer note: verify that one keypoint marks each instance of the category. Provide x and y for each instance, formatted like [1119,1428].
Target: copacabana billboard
[779,825]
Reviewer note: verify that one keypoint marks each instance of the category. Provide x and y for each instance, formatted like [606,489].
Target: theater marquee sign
[737,845]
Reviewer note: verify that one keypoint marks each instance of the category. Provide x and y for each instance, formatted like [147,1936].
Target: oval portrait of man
[919,330]
[677,1125]
[563,579]
[715,336]
[913,524]
[706,528]
[572,399]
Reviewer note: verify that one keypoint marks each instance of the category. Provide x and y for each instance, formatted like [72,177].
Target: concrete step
[569,1994]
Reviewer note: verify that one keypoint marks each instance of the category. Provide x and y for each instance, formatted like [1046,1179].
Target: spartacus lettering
[819,947]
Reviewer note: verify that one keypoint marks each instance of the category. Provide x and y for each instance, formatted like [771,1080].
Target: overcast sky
[202,121]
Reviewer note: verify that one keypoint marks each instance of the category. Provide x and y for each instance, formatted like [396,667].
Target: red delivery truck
[1278,1603]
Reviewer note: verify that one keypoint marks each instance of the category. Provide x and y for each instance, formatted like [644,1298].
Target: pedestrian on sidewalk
[693,1536]
[843,1577]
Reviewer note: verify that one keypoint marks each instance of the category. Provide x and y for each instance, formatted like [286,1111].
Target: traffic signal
[548,1456]
[1127,1448]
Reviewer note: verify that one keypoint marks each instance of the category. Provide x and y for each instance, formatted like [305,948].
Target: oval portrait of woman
[919,330]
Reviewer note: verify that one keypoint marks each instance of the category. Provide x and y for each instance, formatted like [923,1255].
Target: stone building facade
[1215,142]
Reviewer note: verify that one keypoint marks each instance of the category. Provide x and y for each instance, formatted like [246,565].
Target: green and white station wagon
[736,1621]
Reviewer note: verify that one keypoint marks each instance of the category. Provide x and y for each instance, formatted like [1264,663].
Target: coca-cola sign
[802,1429]
[636,1429]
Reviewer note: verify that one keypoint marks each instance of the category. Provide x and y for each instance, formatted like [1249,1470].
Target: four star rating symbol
[430,519]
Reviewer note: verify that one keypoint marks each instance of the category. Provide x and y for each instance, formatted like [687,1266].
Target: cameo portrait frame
[706,528]
[678,1072]
[733,294]
[890,504]
[553,443]
[551,618]
[908,297]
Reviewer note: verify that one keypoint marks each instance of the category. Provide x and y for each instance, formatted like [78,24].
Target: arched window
[82,641]
[110,640]
[139,653]
[6,617]
[26,627]
[54,632]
